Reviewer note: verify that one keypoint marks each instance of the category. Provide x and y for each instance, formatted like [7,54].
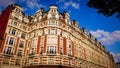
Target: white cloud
[66,4]
[75,5]
[5,3]
[29,3]
[33,3]
[69,3]
[107,38]
[116,57]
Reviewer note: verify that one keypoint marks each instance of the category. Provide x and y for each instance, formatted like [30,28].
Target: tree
[106,7]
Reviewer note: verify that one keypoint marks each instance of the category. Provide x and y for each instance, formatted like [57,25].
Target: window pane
[19,53]
[23,36]
[9,51]
[11,41]
[24,27]
[21,44]
[51,50]
[17,62]
[6,60]
[13,32]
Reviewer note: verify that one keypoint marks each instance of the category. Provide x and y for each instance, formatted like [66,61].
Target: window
[17,62]
[41,50]
[7,40]
[51,60]
[61,33]
[33,50]
[69,62]
[69,52]
[34,42]
[5,49]
[21,44]
[23,36]
[11,41]
[31,61]
[6,60]
[52,10]
[48,31]
[61,52]
[35,34]
[13,32]
[24,27]
[52,40]
[17,10]
[53,31]
[43,32]
[51,50]
[9,30]
[15,18]
[69,46]
[25,61]
[52,23]
[19,53]
[15,23]
[9,51]
[42,41]
[61,46]
[40,60]
[53,17]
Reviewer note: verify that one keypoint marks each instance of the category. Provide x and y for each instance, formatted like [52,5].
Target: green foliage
[106,7]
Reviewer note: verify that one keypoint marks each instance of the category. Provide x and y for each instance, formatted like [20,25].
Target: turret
[39,14]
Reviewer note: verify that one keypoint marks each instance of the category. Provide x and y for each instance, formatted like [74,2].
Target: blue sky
[105,29]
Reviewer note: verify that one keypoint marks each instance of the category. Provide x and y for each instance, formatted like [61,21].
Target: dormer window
[17,10]
[52,10]
[15,23]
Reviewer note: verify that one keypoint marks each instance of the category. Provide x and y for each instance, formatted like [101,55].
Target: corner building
[48,39]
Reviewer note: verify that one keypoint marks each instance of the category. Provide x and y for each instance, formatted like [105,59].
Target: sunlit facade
[49,39]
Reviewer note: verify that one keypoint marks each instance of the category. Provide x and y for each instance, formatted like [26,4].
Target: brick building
[48,39]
